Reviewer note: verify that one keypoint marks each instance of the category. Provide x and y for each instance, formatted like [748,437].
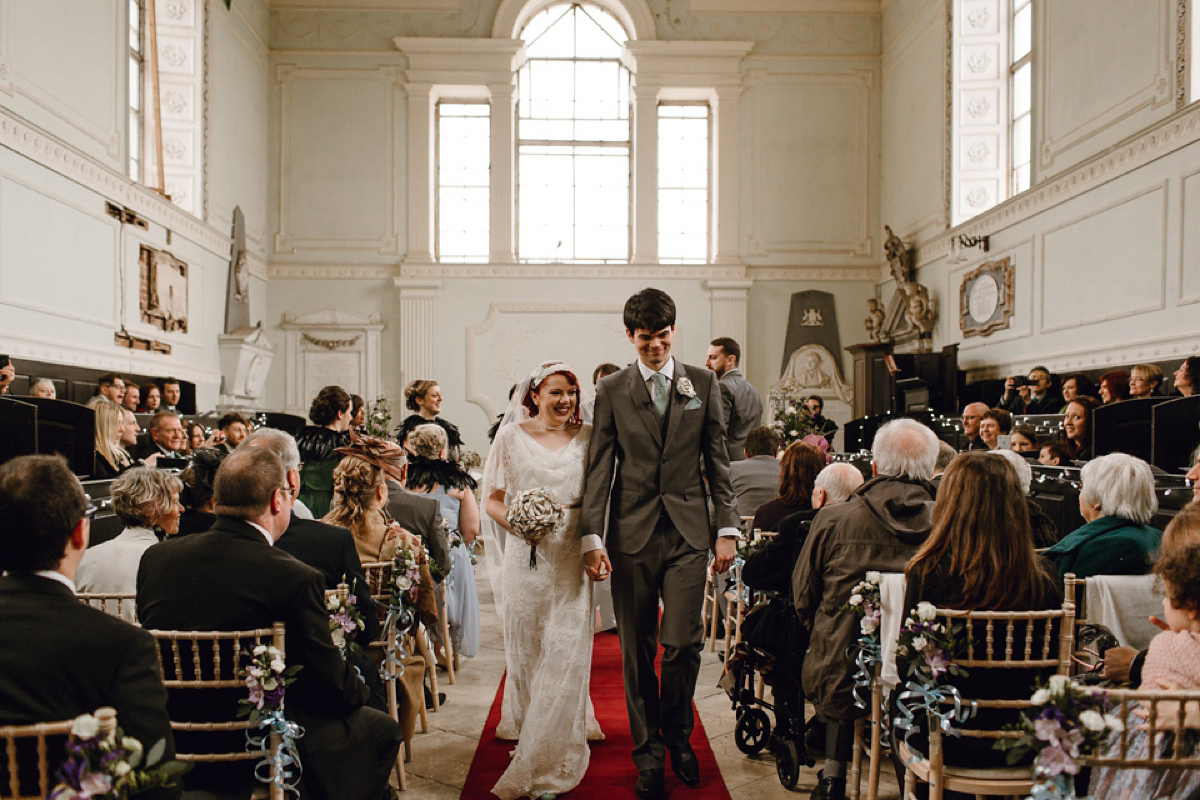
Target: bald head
[971,416]
[904,448]
[246,483]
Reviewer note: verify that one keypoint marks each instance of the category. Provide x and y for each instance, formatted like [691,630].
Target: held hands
[596,565]
[724,552]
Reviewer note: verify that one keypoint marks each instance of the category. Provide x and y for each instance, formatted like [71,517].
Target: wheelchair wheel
[787,763]
[752,731]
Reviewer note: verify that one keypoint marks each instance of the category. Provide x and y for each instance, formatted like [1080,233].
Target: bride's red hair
[576,416]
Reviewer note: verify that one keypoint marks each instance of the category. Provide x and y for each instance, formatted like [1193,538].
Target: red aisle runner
[611,773]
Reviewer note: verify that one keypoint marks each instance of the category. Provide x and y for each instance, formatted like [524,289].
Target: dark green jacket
[1106,546]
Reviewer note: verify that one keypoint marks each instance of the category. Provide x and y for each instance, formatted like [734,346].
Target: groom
[657,454]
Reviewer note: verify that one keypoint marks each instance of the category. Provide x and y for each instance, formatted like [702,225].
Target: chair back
[1174,745]
[28,769]
[117,605]
[378,574]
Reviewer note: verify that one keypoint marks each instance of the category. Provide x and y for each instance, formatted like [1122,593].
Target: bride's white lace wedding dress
[547,624]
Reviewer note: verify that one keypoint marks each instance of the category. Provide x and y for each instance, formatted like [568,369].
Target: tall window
[573,139]
[1020,95]
[463,181]
[683,183]
[135,90]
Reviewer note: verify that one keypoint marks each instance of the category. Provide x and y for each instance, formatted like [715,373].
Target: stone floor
[442,756]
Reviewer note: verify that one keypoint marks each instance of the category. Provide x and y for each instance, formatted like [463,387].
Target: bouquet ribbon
[393,660]
[284,758]
[866,655]
[931,698]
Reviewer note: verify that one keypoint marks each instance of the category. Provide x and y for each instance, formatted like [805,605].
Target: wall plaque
[986,298]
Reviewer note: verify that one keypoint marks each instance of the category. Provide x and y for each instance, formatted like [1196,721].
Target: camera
[1021,380]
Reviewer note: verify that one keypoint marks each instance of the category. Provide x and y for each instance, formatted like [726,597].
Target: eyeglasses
[90,509]
[286,490]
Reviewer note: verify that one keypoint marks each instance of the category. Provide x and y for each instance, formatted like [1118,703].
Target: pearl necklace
[545,427]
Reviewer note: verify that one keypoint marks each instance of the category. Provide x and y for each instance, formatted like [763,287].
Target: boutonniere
[685,389]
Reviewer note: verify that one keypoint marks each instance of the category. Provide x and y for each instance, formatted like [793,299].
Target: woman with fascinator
[547,599]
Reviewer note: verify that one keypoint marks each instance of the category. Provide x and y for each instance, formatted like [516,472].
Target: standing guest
[111,387]
[1114,386]
[44,387]
[171,393]
[1077,428]
[588,404]
[971,416]
[60,658]
[1075,385]
[1023,439]
[110,458]
[233,578]
[1117,501]
[879,528]
[146,500]
[424,398]
[1054,454]
[197,493]
[1144,381]
[814,405]
[1187,377]
[755,479]
[167,438]
[234,428]
[133,396]
[1034,397]
[151,398]
[358,413]
[994,423]
[330,417]
[798,469]
[743,406]
[603,371]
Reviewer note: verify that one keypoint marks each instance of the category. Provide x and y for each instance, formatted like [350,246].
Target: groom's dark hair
[650,310]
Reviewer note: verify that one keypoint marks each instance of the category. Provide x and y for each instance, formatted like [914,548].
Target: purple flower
[1053,760]
[256,695]
[937,662]
[1046,729]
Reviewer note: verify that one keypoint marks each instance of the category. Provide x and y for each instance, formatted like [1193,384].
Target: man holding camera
[1030,395]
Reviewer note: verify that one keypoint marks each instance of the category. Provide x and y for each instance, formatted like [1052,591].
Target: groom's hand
[724,551]
[596,565]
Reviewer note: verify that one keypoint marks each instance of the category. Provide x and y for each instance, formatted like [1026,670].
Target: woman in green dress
[330,415]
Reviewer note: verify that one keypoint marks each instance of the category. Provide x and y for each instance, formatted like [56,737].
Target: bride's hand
[596,565]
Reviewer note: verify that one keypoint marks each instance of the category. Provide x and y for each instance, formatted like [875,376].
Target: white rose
[331,602]
[85,727]
[855,599]
[1092,720]
[867,625]
[260,649]
[131,745]
[1058,683]
[1040,697]
[926,610]
[874,577]
[122,768]
[1114,723]
[278,665]
[403,584]
[919,643]
[339,638]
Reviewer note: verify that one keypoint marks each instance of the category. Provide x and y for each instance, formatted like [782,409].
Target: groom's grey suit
[649,476]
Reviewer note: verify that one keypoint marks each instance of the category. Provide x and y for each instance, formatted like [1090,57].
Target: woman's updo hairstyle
[355,483]
[415,392]
[198,478]
[427,441]
[329,402]
[532,408]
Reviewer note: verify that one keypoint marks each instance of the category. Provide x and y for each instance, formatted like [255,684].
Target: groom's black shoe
[649,784]
[684,763]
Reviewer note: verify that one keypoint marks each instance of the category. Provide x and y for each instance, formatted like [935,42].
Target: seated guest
[1075,385]
[1113,386]
[1045,532]
[422,516]
[133,396]
[44,387]
[197,493]
[755,478]
[151,398]
[166,437]
[360,494]
[980,530]
[878,528]
[1034,397]
[797,471]
[1023,439]
[971,416]
[1054,454]
[130,430]
[994,423]
[233,578]
[111,387]
[172,392]
[1144,381]
[146,500]
[1117,500]
[945,455]
[330,417]
[193,435]
[814,405]
[110,458]
[234,428]
[1077,428]
[1187,377]
[8,373]
[59,658]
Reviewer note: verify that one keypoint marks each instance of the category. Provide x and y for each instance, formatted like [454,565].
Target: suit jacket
[330,550]
[111,567]
[646,472]
[1049,403]
[743,412]
[755,482]
[59,658]
[422,515]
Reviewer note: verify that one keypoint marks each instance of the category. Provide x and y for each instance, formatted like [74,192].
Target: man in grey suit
[657,455]
[743,406]
[755,479]
[422,516]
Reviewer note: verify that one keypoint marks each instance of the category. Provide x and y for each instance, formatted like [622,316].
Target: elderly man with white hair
[1117,501]
[878,528]
[1045,532]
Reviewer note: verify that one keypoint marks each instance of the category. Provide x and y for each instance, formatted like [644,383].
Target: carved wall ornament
[979,151]
[174,55]
[978,107]
[979,17]
[164,290]
[977,197]
[174,102]
[812,318]
[331,344]
[979,61]
[175,9]
[898,255]
[874,320]
[174,149]
[986,298]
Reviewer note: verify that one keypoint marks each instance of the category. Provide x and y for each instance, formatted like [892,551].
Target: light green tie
[660,393]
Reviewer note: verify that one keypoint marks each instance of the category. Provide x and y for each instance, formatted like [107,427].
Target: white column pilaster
[420,173]
[503,192]
[645,174]
[726,220]
[728,310]
[418,318]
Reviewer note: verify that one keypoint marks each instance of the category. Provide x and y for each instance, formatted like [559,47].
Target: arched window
[574,141]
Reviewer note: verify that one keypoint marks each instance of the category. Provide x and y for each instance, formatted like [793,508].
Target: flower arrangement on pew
[1072,723]
[345,621]
[105,764]
[752,544]
[267,676]
[928,646]
[379,418]
[866,604]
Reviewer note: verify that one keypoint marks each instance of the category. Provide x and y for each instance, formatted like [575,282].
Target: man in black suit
[166,437]
[233,578]
[60,658]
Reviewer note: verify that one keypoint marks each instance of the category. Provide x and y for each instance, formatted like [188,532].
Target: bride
[541,444]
